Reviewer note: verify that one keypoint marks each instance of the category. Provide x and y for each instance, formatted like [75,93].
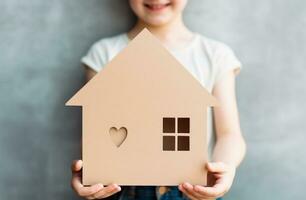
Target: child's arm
[230,146]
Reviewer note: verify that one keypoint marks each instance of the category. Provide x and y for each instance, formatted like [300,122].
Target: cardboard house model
[144,119]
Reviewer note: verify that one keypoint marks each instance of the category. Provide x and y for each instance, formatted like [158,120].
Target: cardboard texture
[144,119]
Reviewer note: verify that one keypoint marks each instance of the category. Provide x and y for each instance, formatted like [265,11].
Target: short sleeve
[225,61]
[96,57]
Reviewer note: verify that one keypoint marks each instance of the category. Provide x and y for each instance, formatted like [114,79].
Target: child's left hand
[222,173]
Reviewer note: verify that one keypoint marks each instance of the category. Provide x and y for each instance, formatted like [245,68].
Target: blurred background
[41,43]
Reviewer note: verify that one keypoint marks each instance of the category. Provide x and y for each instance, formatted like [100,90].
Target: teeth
[156,6]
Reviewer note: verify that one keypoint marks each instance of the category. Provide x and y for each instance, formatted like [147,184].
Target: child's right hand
[97,191]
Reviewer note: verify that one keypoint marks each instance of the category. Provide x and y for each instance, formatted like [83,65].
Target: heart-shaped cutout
[118,136]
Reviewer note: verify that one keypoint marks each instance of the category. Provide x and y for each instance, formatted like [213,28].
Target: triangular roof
[144,61]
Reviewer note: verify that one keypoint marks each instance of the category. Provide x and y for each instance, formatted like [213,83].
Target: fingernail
[99,186]
[186,185]
[180,187]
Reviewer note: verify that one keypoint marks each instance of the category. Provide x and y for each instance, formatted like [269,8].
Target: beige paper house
[144,119]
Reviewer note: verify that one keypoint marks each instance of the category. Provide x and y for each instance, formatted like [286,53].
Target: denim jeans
[148,193]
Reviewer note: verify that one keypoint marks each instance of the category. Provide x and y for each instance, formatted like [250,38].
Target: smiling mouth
[156,7]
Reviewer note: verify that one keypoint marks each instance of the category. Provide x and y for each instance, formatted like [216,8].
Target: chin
[157,21]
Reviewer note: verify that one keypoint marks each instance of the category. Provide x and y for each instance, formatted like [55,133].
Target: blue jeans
[148,193]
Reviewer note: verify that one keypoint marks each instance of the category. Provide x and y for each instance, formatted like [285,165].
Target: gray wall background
[41,43]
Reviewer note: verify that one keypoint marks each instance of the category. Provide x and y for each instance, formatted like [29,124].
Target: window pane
[183,143]
[169,143]
[169,125]
[183,125]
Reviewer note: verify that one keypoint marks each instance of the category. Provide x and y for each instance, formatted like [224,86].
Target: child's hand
[97,191]
[222,173]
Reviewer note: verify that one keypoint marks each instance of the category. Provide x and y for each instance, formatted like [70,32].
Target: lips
[156,6]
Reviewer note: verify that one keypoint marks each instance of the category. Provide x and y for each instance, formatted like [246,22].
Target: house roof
[143,67]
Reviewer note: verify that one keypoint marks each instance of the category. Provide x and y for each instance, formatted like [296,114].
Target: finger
[217,167]
[112,192]
[107,191]
[82,190]
[217,190]
[88,191]
[187,193]
[76,165]
[190,189]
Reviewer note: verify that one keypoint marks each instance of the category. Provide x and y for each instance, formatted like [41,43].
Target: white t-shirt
[206,59]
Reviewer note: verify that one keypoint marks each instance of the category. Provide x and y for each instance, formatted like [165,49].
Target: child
[214,65]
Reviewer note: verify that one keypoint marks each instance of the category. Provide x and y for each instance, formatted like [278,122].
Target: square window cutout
[169,143]
[183,125]
[183,143]
[168,125]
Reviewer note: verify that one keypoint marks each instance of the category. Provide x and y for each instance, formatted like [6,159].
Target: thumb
[76,165]
[216,167]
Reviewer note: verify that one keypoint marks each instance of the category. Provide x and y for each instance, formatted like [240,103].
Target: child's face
[157,12]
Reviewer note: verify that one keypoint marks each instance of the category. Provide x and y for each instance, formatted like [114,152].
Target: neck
[166,33]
